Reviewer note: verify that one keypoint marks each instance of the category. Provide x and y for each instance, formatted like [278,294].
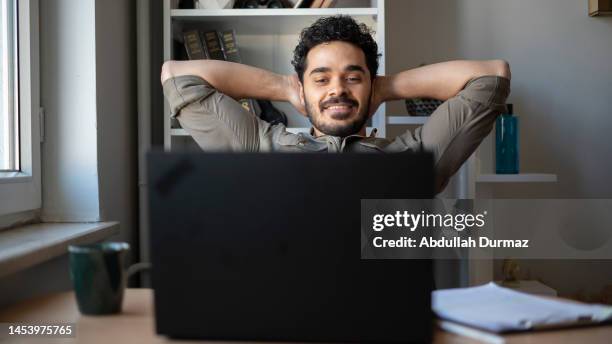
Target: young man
[337,87]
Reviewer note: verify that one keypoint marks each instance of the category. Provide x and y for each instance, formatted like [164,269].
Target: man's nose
[337,88]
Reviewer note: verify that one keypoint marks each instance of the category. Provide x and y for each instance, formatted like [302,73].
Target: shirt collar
[372,134]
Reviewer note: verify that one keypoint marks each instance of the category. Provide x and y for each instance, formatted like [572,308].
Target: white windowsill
[23,247]
[14,177]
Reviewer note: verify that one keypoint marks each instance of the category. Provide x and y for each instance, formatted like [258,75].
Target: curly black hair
[336,28]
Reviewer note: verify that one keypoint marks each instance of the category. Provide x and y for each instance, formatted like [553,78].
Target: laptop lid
[267,247]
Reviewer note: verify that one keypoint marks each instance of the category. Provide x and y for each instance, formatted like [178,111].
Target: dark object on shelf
[193,45]
[253,4]
[229,46]
[212,43]
[303,4]
[422,106]
[271,114]
[275,4]
[250,4]
[507,143]
[186,4]
[179,52]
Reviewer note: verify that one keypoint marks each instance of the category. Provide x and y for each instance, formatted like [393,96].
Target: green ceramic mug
[98,276]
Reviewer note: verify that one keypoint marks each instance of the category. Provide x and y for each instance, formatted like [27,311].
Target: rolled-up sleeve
[459,125]
[216,121]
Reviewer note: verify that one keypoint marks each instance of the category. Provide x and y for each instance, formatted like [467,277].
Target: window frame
[10,131]
[21,190]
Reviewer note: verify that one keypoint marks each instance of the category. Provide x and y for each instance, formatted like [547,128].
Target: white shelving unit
[197,14]
[266,39]
[483,163]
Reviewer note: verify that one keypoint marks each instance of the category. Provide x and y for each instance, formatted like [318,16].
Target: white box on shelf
[214,4]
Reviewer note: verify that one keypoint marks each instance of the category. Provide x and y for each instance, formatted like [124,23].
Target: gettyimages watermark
[486,229]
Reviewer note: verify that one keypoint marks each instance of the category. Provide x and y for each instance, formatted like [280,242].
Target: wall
[561,87]
[116,113]
[68,95]
[88,92]
[89,95]
[89,155]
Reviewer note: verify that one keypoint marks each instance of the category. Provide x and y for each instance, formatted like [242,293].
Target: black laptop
[267,247]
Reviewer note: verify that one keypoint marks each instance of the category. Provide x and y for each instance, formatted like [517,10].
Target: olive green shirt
[217,122]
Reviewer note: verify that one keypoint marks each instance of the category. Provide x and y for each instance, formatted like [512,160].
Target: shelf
[407,120]
[517,178]
[272,12]
[264,21]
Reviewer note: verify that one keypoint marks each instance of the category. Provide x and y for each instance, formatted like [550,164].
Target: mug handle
[137,267]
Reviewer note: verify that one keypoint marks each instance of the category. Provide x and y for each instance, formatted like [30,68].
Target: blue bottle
[506,143]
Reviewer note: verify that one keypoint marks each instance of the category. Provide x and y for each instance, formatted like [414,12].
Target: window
[20,188]
[9,119]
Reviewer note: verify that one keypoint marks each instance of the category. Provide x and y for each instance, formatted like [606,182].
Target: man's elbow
[166,71]
[502,69]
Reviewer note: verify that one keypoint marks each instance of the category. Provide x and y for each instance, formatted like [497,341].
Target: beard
[343,129]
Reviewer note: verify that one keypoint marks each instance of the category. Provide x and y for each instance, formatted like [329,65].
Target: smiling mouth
[339,111]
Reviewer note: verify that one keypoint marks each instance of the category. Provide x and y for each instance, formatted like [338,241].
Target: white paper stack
[496,309]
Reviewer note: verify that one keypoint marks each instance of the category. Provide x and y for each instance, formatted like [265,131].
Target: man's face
[336,88]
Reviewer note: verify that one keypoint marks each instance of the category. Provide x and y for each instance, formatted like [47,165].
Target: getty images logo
[412,222]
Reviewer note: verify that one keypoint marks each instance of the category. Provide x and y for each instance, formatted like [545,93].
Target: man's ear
[302,93]
[374,98]
[302,96]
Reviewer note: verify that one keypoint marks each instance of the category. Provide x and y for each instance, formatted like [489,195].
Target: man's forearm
[441,80]
[235,80]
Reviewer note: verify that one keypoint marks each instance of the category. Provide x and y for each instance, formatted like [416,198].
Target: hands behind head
[294,90]
[378,94]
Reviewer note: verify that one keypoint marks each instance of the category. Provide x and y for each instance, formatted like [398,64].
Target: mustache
[339,100]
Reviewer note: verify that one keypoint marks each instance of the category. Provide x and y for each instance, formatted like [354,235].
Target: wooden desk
[136,324]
